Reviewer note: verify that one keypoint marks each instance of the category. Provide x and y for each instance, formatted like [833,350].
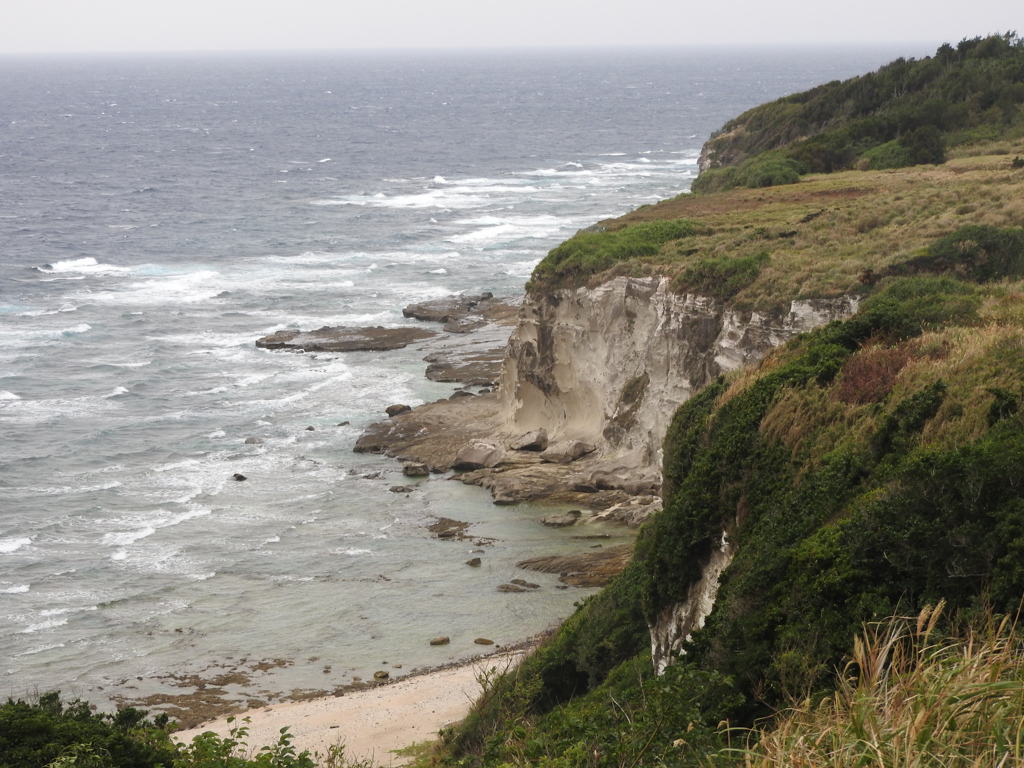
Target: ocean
[159,214]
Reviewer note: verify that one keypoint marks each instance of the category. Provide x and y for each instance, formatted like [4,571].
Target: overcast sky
[30,26]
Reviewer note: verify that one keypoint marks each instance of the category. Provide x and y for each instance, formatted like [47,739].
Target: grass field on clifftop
[759,249]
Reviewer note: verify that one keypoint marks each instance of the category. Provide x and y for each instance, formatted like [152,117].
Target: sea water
[158,215]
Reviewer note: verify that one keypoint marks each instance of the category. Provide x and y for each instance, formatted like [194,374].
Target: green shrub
[721,278]
[979,253]
[892,154]
[589,253]
[49,731]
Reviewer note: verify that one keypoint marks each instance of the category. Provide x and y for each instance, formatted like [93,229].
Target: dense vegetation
[49,733]
[907,113]
[867,470]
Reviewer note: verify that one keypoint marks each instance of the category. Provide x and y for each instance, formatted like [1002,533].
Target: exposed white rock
[609,365]
[676,623]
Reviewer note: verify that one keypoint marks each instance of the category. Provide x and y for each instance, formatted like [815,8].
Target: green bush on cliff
[906,113]
[769,169]
[589,253]
[864,471]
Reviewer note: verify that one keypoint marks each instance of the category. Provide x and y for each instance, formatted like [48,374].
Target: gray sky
[28,26]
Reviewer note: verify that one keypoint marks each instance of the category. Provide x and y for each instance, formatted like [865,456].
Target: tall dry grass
[911,697]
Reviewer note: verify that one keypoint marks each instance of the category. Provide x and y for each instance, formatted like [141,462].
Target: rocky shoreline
[464,436]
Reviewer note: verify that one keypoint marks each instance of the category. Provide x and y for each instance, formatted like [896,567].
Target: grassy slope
[869,468]
[816,238]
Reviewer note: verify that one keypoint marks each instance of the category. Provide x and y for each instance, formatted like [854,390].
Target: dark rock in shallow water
[562,521]
[442,640]
[474,563]
[415,469]
[483,641]
[328,339]
[460,393]
[446,309]
[381,674]
[239,477]
[400,489]
[253,441]
[394,410]
[590,569]
[510,588]
[471,366]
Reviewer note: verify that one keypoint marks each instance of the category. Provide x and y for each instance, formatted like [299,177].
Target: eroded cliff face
[609,365]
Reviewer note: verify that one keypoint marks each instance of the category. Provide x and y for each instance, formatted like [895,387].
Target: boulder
[474,563]
[562,521]
[483,641]
[239,477]
[446,309]
[460,393]
[567,451]
[442,640]
[524,583]
[381,674]
[394,410]
[253,441]
[633,483]
[535,440]
[510,588]
[415,469]
[478,455]
[400,489]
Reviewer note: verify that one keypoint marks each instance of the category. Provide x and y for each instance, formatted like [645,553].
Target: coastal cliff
[605,365]
[826,378]
[600,367]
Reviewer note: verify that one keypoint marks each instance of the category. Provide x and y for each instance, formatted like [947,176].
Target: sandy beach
[372,722]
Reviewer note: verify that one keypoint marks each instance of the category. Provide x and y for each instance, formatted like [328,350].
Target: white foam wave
[80,328]
[40,649]
[117,391]
[5,395]
[43,312]
[48,624]
[158,288]
[124,538]
[496,230]
[355,552]
[86,265]
[7,546]
[440,271]
[20,589]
